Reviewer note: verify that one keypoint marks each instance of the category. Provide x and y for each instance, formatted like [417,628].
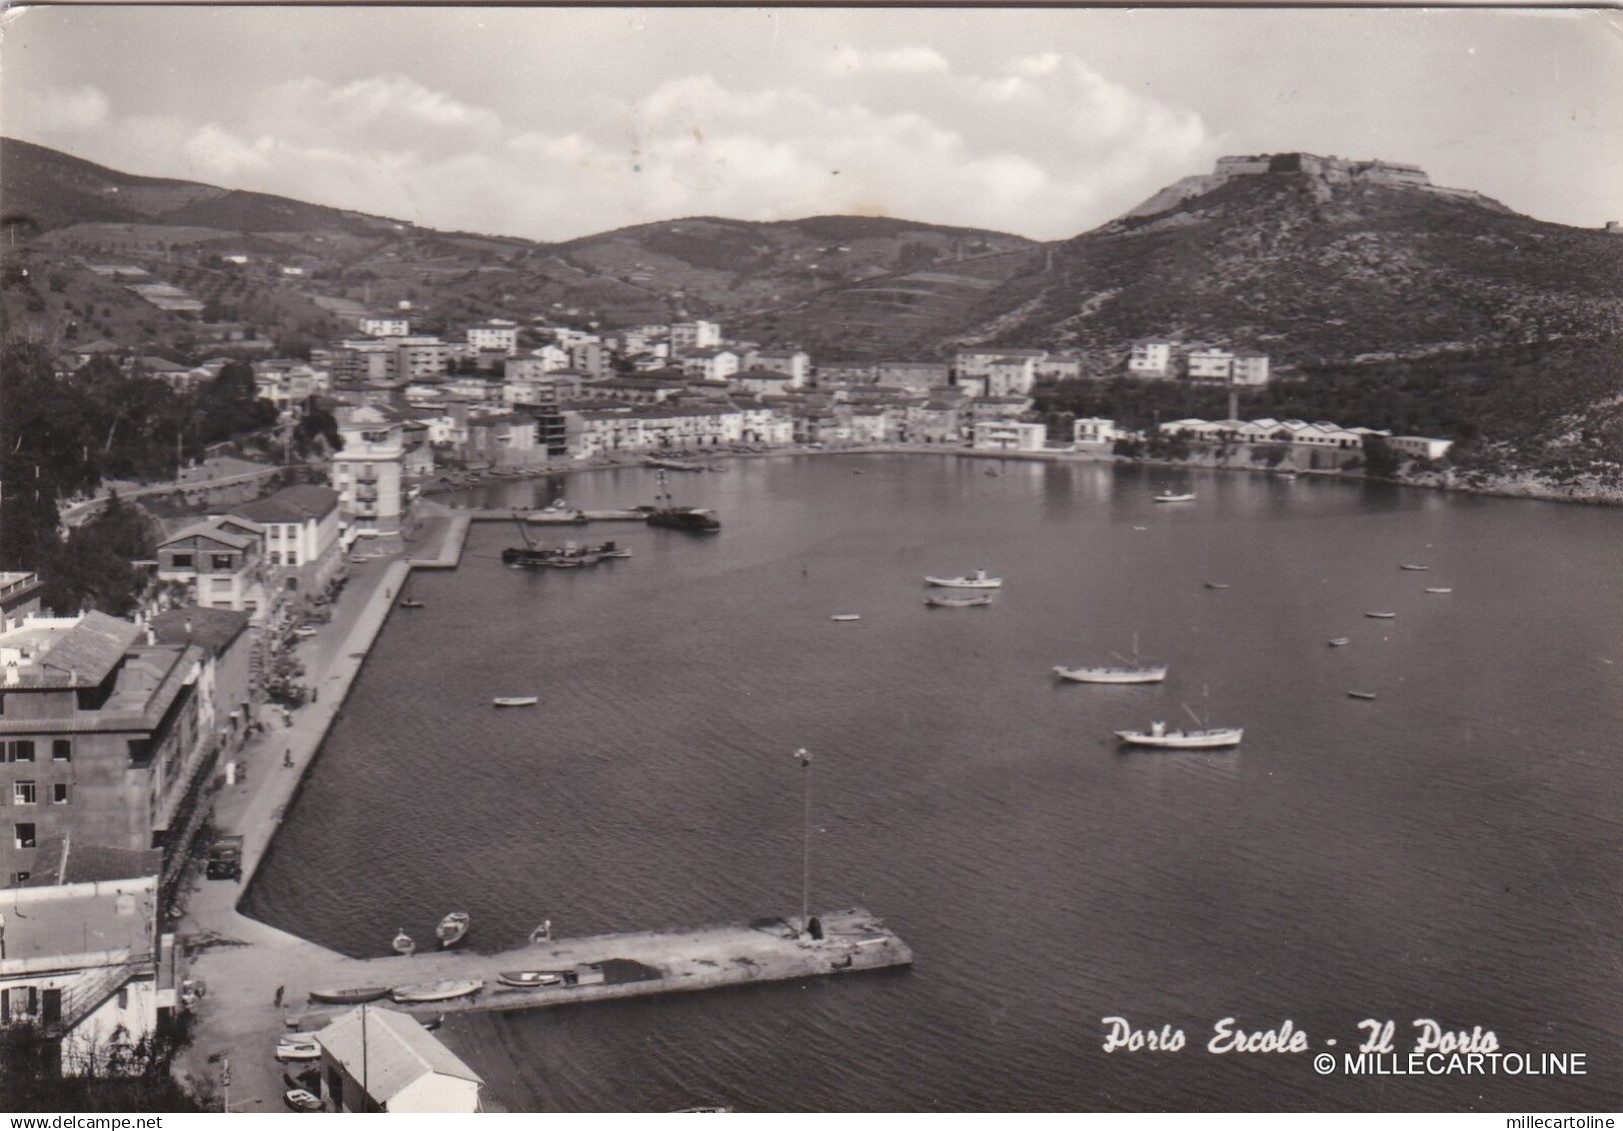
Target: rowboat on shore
[846,617]
[349,997]
[530,979]
[437,991]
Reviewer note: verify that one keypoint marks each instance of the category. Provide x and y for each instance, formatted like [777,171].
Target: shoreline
[1502,487]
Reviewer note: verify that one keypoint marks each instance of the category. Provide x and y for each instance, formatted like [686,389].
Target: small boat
[1439,589]
[411,603]
[453,929]
[437,991]
[1217,585]
[1169,497]
[304,632]
[1360,694]
[298,1046]
[1158,735]
[1416,568]
[515,701]
[1113,675]
[530,979]
[350,997]
[1340,641]
[977,580]
[1381,616]
[1286,475]
[845,617]
[301,1099]
[952,602]
[402,943]
[1140,528]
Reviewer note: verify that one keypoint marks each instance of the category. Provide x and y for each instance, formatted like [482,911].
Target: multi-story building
[978,361]
[89,965]
[1011,376]
[413,358]
[655,428]
[1150,358]
[1094,433]
[845,374]
[685,337]
[711,364]
[761,381]
[631,390]
[933,422]
[999,408]
[497,335]
[221,559]
[1250,367]
[224,687]
[1059,367]
[368,469]
[1210,364]
[19,598]
[501,437]
[1009,436]
[302,539]
[918,376]
[102,746]
[361,363]
[795,363]
[383,327]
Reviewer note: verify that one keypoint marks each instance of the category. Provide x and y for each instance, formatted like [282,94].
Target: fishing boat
[1415,568]
[1217,585]
[1381,616]
[530,979]
[1439,589]
[437,991]
[845,617]
[410,603]
[350,997]
[402,943]
[1360,694]
[977,580]
[1170,497]
[453,929]
[567,556]
[953,602]
[1130,671]
[664,513]
[1207,739]
[1340,641]
[515,701]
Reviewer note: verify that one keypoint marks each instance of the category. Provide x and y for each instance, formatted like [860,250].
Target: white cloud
[57,110]
[891,61]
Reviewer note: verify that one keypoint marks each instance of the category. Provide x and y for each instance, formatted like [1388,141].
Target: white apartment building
[367,470]
[497,335]
[1008,436]
[385,327]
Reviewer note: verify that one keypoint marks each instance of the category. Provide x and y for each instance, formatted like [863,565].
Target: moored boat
[515,701]
[1216,584]
[530,979]
[1381,616]
[949,601]
[1439,589]
[845,617]
[1158,735]
[1113,675]
[411,603]
[402,943]
[350,997]
[1170,497]
[1360,694]
[437,991]
[453,928]
[1340,641]
[980,579]
[1412,566]
[664,513]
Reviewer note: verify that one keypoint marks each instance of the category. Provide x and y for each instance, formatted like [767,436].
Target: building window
[222,561]
[275,557]
[181,561]
[24,837]
[61,749]
[18,879]
[24,793]
[22,750]
[59,793]
[124,998]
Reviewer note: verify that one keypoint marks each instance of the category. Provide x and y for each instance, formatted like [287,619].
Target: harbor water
[1451,849]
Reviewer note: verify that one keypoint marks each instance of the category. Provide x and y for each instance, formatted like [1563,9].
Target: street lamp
[805,761]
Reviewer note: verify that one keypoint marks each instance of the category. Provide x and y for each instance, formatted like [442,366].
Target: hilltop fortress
[1324,174]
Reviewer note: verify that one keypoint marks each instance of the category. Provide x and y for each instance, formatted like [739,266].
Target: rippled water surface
[1450,850]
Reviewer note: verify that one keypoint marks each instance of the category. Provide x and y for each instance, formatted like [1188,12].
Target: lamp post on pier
[805,761]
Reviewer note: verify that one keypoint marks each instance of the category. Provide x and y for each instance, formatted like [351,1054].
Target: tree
[1380,461]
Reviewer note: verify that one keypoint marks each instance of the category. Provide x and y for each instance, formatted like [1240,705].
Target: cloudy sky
[553,123]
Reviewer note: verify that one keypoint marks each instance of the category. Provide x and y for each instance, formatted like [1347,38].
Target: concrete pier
[555,518]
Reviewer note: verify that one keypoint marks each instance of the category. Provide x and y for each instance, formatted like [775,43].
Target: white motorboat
[1171,497]
[1381,616]
[1413,567]
[845,617]
[1340,641]
[402,943]
[453,929]
[437,991]
[515,700]
[977,580]
[951,601]
[1158,735]
[1439,589]
[1112,675]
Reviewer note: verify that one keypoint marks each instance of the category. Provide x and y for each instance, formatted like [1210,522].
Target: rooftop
[298,503]
[82,655]
[396,1049]
[45,924]
[214,629]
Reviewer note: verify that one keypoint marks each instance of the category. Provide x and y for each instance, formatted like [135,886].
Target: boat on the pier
[1158,735]
[297,1046]
[1340,641]
[402,943]
[664,513]
[1381,616]
[453,928]
[1360,694]
[349,997]
[530,979]
[1439,589]
[951,601]
[515,701]
[437,991]
[1416,568]
[1171,497]
[980,579]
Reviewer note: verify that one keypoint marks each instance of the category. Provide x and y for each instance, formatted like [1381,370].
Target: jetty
[554,517]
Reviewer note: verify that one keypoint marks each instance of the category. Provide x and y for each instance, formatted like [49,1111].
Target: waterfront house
[368,469]
[1420,447]
[87,964]
[1008,436]
[379,1059]
[1094,434]
[302,535]
[99,741]
[999,408]
[936,421]
[224,685]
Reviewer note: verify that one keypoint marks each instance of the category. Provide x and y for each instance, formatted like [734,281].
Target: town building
[101,741]
[497,335]
[973,362]
[1059,367]
[711,364]
[225,683]
[933,422]
[1210,364]
[1250,367]
[1150,358]
[795,363]
[761,381]
[686,337]
[1010,376]
[19,597]
[845,374]
[501,438]
[367,470]
[220,561]
[1008,436]
[1095,433]
[89,965]
[918,376]
[302,540]
[383,327]
[384,1060]
[1420,447]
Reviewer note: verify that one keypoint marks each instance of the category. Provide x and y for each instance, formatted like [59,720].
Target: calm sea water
[1451,850]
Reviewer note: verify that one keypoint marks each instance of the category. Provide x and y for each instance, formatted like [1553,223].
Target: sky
[554,123]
